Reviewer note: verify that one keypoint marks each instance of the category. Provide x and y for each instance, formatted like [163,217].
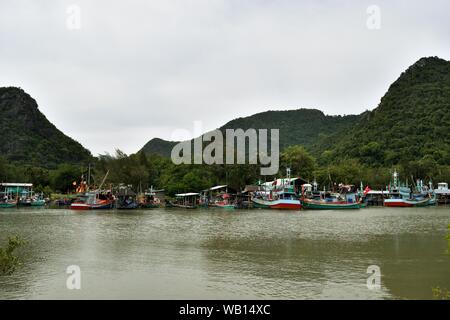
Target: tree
[299,160]
[63,177]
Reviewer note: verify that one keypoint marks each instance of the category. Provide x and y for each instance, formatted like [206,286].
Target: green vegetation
[448,239]
[27,137]
[408,131]
[408,128]
[297,127]
[438,292]
[8,261]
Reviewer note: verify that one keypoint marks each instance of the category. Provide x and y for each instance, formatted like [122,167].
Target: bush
[8,261]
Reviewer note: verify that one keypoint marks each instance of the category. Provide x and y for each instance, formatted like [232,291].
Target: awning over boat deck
[16,184]
[187,194]
[216,188]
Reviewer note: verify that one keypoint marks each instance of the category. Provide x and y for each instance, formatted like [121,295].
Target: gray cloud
[141,69]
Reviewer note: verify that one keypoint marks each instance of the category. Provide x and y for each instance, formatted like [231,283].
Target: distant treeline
[142,171]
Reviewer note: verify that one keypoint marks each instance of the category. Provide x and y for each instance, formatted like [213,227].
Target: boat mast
[103,181]
[89,175]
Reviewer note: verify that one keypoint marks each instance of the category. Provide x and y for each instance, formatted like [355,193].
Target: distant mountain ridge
[27,137]
[301,126]
[411,123]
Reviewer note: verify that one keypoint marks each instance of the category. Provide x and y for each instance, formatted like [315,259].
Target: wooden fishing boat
[151,199]
[345,198]
[223,205]
[403,196]
[24,194]
[186,200]
[330,205]
[33,202]
[126,199]
[37,202]
[93,201]
[400,202]
[442,193]
[10,193]
[285,199]
[278,194]
[285,203]
[8,204]
[218,197]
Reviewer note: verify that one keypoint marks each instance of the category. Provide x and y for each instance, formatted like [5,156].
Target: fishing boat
[33,201]
[37,202]
[330,204]
[346,198]
[403,196]
[151,198]
[7,198]
[8,203]
[186,200]
[95,200]
[442,193]
[21,194]
[284,200]
[126,199]
[224,205]
[218,197]
[279,194]
[399,202]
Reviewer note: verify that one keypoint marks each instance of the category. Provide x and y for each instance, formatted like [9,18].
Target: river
[228,254]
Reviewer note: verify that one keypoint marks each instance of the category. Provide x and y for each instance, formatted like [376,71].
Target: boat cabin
[442,193]
[126,198]
[442,188]
[218,196]
[187,200]
[22,193]
[151,198]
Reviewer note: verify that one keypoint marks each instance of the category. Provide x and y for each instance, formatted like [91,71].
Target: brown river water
[228,254]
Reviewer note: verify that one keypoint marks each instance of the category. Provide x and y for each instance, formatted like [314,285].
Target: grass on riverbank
[9,261]
[443,293]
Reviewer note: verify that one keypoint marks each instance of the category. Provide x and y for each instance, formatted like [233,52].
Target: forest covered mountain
[411,123]
[27,137]
[297,127]
[409,130]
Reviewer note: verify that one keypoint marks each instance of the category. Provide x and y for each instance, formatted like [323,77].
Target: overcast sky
[135,70]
